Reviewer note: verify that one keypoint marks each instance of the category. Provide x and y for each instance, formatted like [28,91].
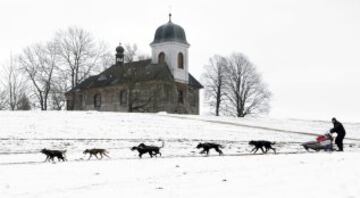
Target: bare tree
[3,101]
[215,81]
[39,62]
[13,82]
[58,99]
[80,53]
[60,85]
[136,99]
[132,54]
[141,102]
[247,94]
[106,60]
[143,57]
[23,103]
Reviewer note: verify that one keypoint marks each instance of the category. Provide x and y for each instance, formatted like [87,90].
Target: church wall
[190,104]
[193,100]
[164,97]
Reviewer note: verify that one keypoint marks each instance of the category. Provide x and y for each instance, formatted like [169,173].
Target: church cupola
[171,47]
[119,57]
[170,32]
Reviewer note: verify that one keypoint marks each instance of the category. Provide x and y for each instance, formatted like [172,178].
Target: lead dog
[51,154]
[261,144]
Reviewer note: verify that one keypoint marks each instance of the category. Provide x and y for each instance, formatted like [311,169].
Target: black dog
[207,146]
[152,150]
[262,144]
[95,152]
[51,154]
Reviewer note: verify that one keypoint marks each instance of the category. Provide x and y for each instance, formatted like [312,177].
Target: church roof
[139,71]
[170,32]
[194,83]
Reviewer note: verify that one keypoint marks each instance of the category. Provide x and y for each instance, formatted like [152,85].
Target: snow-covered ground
[181,171]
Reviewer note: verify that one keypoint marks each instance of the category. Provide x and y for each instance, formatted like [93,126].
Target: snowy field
[181,171]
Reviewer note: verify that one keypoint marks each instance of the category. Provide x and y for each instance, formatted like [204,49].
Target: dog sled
[323,142]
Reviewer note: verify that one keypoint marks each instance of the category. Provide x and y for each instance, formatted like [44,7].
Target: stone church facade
[162,83]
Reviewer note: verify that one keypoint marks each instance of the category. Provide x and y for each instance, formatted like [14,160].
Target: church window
[123,97]
[180,60]
[69,104]
[161,58]
[97,100]
[80,100]
[180,96]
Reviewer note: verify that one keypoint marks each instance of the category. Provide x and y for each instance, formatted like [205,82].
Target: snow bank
[305,175]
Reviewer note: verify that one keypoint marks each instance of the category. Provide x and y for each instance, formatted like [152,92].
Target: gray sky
[307,50]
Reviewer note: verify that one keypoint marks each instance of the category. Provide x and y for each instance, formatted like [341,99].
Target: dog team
[263,145]
[152,150]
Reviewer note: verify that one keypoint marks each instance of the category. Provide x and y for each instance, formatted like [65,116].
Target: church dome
[170,32]
[120,49]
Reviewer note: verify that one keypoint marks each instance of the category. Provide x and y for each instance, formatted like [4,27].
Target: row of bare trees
[44,71]
[234,87]
[55,66]
[13,88]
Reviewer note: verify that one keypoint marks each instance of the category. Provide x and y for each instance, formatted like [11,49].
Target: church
[162,83]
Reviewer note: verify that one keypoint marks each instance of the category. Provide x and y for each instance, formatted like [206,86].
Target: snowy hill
[181,171]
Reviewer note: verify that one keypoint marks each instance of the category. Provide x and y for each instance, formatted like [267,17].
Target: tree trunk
[218,100]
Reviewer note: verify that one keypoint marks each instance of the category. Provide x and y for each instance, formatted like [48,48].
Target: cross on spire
[170,17]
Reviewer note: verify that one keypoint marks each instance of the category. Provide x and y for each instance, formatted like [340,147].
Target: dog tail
[272,143]
[162,143]
[64,153]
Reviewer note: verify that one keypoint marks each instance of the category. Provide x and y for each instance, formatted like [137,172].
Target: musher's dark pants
[339,142]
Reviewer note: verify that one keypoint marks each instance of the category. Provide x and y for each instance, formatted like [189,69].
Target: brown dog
[95,152]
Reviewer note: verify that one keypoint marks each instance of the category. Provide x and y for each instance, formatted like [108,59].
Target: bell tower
[119,57]
[170,47]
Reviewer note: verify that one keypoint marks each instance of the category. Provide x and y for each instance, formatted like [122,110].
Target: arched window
[123,97]
[161,58]
[180,60]
[97,100]
[180,96]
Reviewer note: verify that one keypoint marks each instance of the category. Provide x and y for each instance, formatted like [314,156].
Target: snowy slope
[136,125]
[182,171]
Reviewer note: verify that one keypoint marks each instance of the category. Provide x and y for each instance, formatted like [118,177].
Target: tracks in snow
[78,145]
[154,158]
[252,126]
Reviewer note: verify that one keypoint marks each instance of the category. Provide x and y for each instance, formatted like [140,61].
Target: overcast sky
[308,51]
